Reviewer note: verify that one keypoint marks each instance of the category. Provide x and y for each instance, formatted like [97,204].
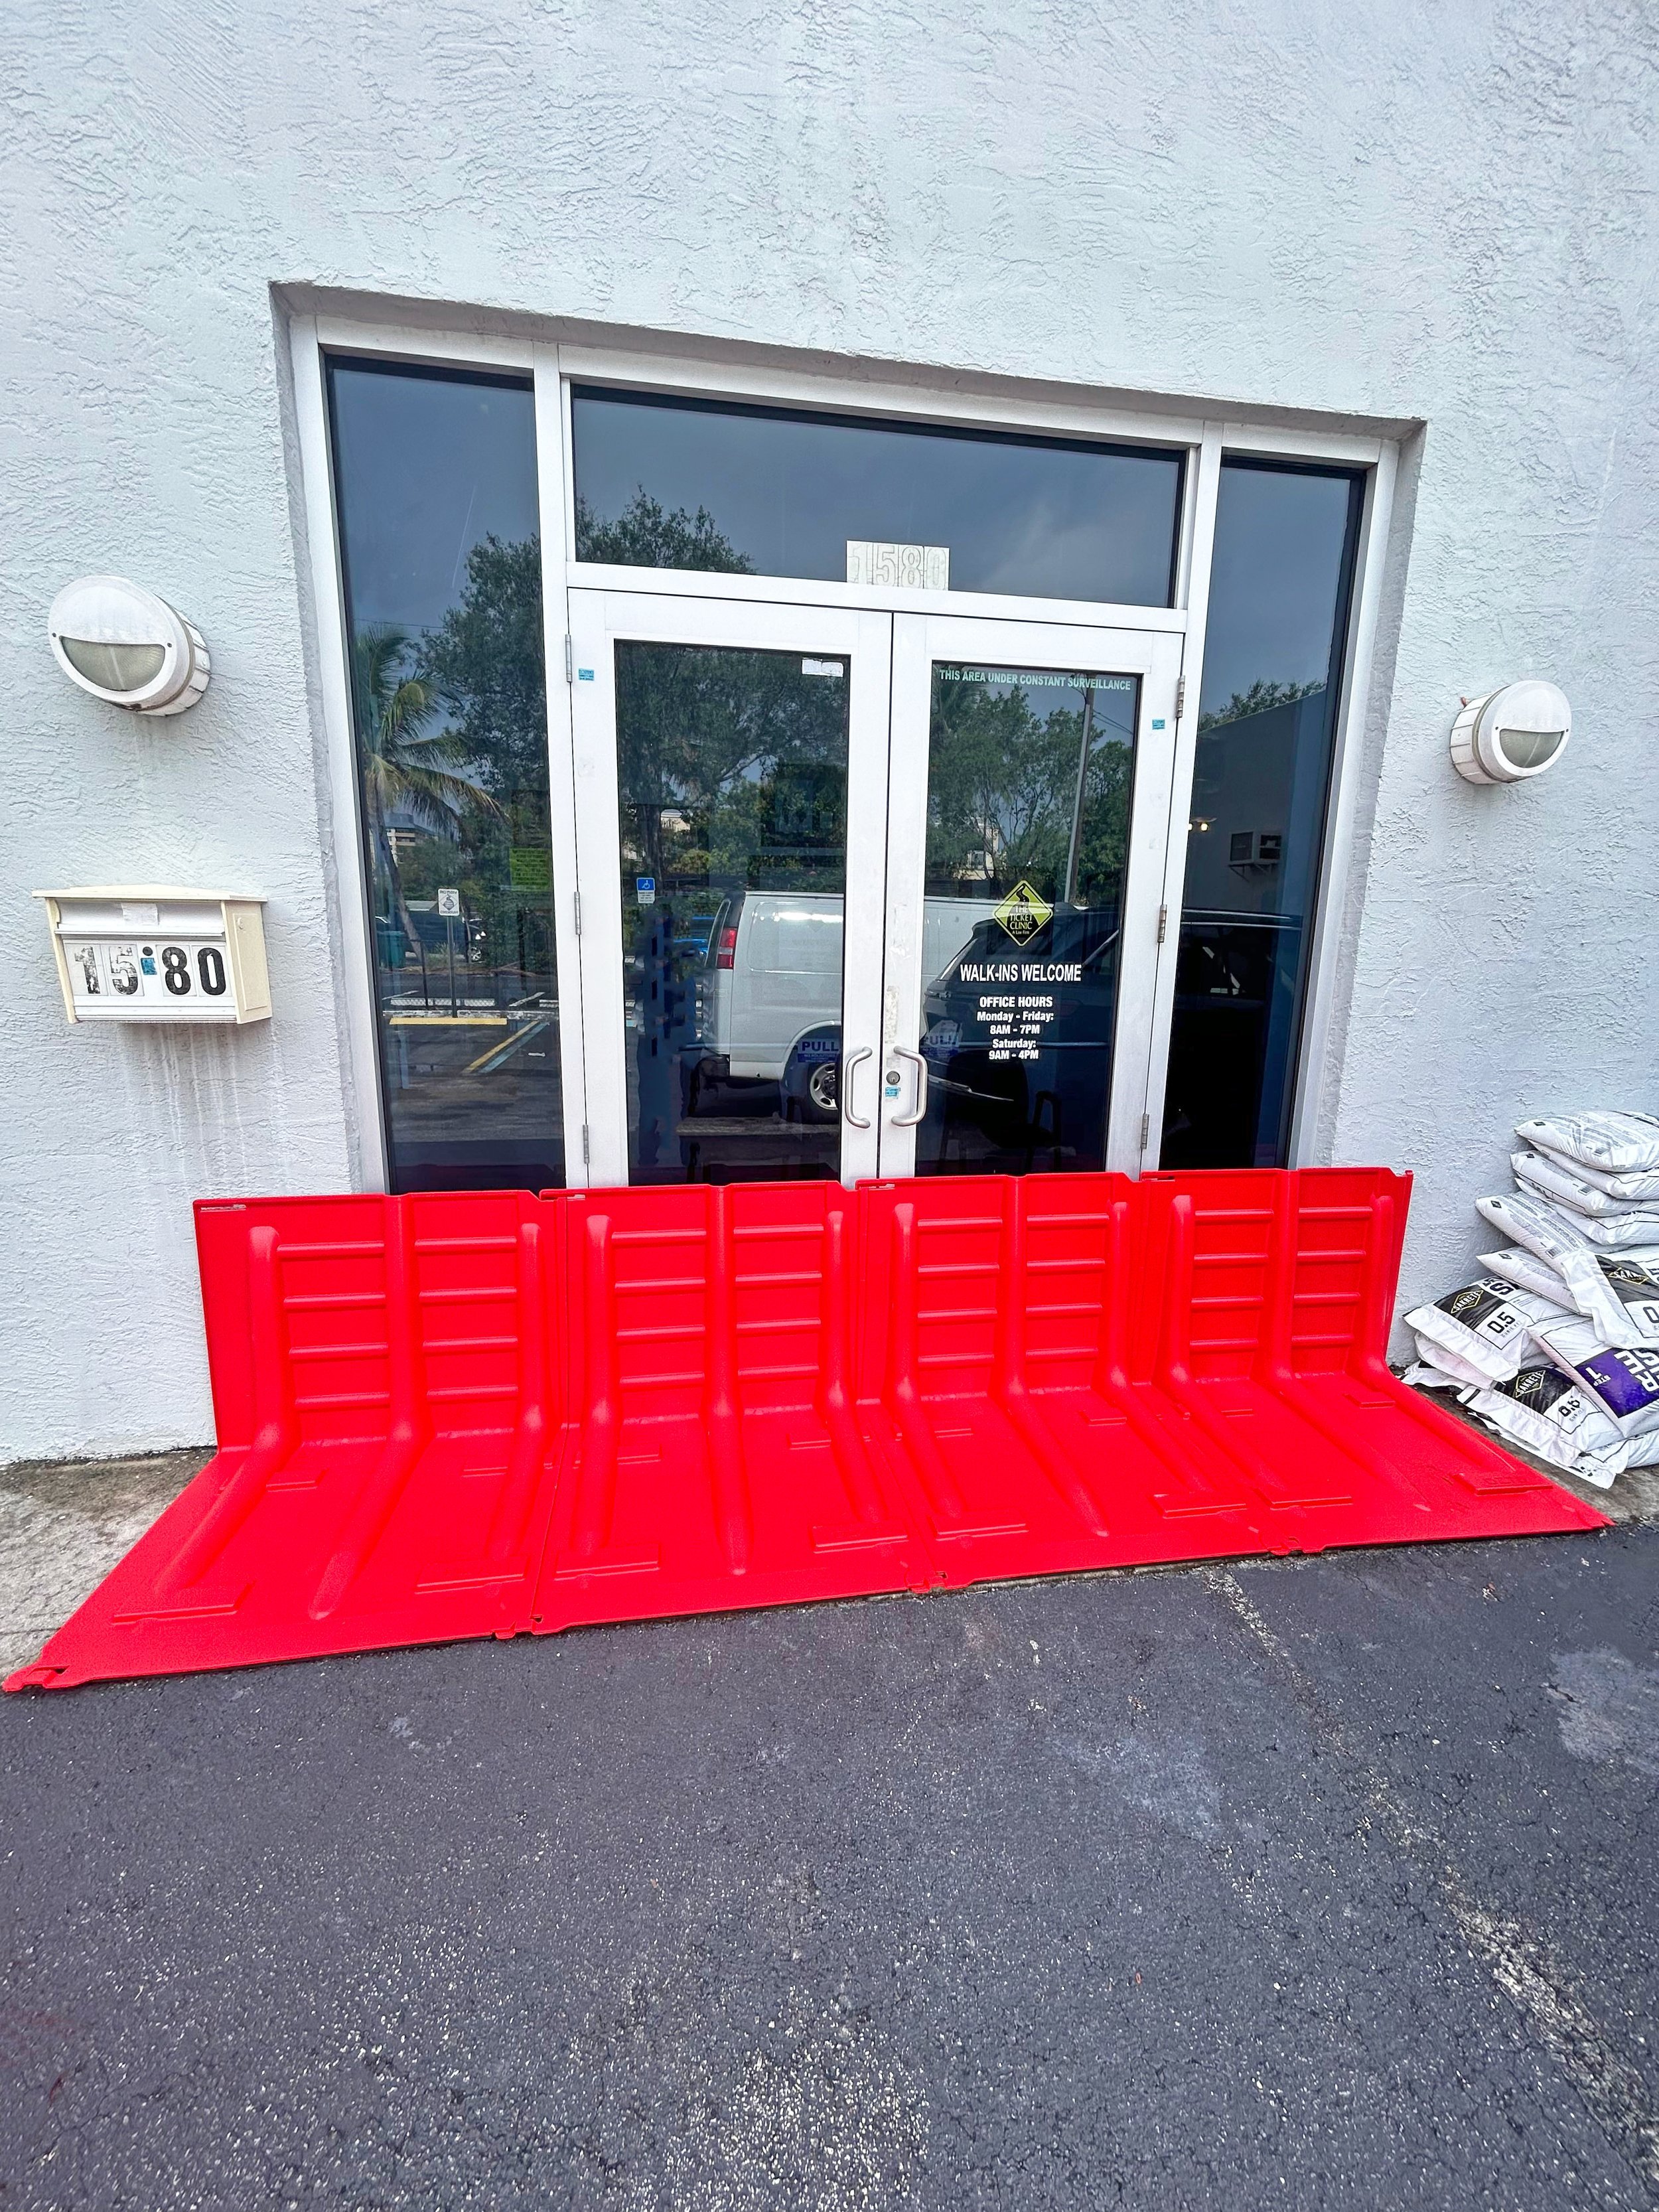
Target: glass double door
[863,893]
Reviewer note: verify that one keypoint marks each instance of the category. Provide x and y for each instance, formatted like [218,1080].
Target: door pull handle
[909,1121]
[854,1121]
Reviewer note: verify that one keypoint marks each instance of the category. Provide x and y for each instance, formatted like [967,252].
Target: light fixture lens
[1505,736]
[114,667]
[1529,747]
[127,647]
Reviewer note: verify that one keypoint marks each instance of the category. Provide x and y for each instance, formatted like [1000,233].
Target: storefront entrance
[748,792]
[864,893]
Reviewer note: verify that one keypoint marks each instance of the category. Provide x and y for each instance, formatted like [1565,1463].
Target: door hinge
[570,669]
[1146,1131]
[584,1144]
[1163,923]
[576,910]
[1181,689]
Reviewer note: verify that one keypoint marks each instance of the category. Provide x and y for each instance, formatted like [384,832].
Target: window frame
[644,361]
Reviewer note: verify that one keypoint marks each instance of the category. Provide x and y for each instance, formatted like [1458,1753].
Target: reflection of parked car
[692,938]
[812,1079]
[773,973]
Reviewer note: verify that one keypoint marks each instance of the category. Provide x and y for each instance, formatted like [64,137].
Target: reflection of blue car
[693,940]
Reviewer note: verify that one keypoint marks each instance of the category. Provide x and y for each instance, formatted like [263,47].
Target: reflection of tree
[732,777]
[408,767]
[453,736]
[646,536]
[1263,693]
[484,662]
[732,767]
[1002,784]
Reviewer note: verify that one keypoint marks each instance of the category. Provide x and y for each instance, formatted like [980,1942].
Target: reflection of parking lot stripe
[499,1053]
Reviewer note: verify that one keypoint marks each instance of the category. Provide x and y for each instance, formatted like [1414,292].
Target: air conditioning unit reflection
[1255,852]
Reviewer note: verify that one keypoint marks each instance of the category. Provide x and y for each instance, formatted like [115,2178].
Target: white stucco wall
[1410,211]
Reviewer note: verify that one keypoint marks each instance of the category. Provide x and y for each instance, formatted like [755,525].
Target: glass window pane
[674,483]
[1029,777]
[733,774]
[435,484]
[1279,599]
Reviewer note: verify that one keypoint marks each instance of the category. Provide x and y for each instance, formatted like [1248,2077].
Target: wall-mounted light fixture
[1510,734]
[122,644]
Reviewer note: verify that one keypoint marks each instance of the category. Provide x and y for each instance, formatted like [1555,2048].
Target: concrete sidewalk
[1319,1883]
[63,1524]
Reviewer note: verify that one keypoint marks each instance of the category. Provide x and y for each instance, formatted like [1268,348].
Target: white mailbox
[160,955]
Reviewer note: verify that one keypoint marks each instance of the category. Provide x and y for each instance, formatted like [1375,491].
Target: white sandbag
[1526,1217]
[1529,1272]
[1613,1232]
[1598,1216]
[1539,1408]
[1565,1186]
[1641,1189]
[1544,1231]
[1455,1369]
[1633,1279]
[1487,1324]
[1623,1380]
[1616,1143]
[1631,1317]
[1422,1377]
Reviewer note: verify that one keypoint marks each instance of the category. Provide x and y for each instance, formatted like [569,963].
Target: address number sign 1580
[158,956]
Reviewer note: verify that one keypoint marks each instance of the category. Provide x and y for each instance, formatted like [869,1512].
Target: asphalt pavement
[1316,1883]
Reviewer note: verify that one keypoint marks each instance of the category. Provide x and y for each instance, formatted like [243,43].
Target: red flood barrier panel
[485,1413]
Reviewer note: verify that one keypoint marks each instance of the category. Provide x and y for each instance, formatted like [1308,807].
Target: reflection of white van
[775,961]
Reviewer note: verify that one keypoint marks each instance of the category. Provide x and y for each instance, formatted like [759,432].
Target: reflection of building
[1256,781]
[1259,792]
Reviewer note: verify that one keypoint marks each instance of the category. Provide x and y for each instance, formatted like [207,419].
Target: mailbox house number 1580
[121,969]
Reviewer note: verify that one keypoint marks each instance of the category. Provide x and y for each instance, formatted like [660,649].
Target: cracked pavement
[1318,1882]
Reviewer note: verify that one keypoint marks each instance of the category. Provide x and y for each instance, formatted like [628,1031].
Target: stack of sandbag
[1557,1344]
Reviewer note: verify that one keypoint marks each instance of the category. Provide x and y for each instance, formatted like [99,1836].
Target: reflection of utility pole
[1074,854]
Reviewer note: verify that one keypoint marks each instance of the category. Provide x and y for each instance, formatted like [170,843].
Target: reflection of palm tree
[407,769]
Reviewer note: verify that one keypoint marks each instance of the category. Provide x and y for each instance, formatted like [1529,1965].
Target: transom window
[667,483]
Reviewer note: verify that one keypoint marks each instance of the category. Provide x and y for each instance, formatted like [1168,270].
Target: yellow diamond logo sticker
[1023,912]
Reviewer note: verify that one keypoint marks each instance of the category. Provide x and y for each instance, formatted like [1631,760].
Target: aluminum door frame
[599,620]
[1155,656]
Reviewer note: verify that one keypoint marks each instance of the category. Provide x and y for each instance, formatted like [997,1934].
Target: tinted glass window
[671,484]
[435,484]
[1279,603]
[1029,775]
[732,772]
